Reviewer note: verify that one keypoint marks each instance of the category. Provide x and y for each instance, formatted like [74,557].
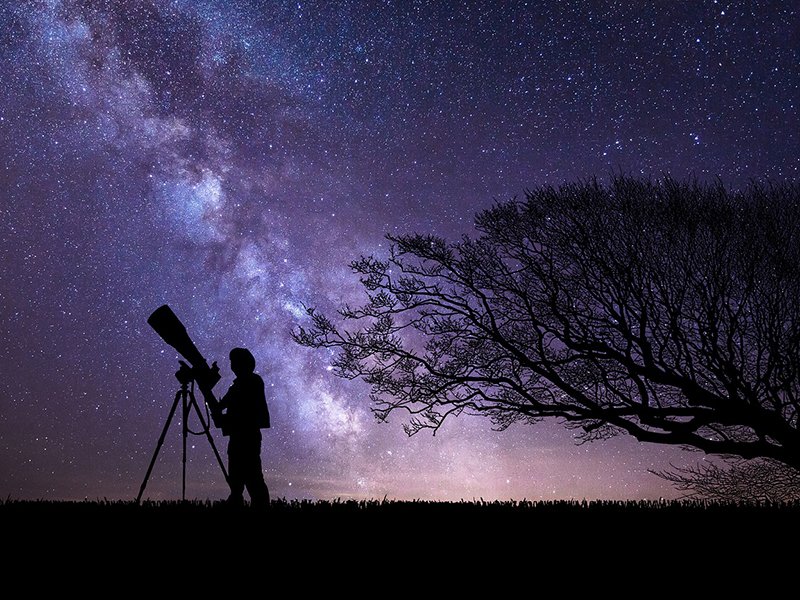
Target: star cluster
[229,158]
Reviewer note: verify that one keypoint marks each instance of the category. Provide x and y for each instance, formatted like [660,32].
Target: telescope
[167,325]
[172,331]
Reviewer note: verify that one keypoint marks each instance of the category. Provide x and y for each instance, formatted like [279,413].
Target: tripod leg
[184,420]
[158,447]
[208,435]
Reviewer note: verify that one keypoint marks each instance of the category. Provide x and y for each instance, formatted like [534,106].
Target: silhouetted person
[246,414]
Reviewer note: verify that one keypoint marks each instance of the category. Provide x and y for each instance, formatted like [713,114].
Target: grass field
[407,518]
[361,549]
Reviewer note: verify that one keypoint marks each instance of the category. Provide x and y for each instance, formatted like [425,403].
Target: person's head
[242,361]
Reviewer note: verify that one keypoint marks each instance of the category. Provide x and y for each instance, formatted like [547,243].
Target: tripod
[187,399]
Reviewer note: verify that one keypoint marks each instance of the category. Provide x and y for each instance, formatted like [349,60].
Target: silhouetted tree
[737,480]
[665,309]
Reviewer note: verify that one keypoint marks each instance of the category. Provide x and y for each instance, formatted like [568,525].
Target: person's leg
[254,476]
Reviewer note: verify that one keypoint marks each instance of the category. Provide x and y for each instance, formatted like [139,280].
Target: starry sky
[230,158]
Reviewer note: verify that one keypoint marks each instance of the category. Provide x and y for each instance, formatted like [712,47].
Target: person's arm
[216,407]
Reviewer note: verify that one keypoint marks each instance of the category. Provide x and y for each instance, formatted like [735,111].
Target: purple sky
[230,159]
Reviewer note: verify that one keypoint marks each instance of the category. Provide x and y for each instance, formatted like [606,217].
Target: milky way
[230,158]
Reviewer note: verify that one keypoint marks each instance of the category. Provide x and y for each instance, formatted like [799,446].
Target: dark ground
[400,545]
[409,521]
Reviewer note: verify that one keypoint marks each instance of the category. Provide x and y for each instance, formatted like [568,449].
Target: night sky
[230,158]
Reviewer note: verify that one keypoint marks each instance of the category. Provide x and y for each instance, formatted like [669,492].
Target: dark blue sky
[231,158]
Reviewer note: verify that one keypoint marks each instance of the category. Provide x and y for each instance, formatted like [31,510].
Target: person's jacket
[245,405]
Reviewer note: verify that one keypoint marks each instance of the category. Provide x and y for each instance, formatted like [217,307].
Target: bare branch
[666,310]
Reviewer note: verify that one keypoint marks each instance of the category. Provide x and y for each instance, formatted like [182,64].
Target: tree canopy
[668,310]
